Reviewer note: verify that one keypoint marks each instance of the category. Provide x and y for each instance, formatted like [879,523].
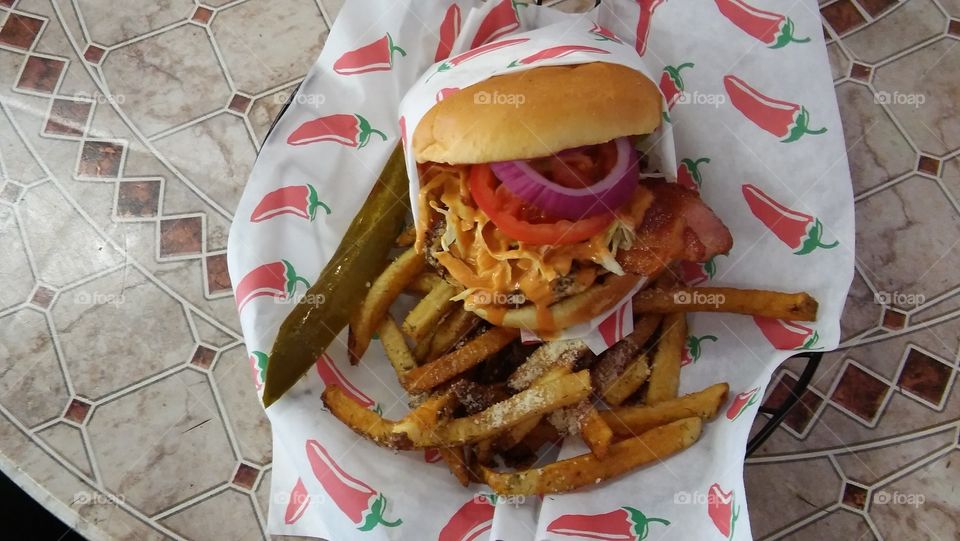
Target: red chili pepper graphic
[786,120]
[611,328]
[801,232]
[741,402]
[773,29]
[348,130]
[431,456]
[692,349]
[556,52]
[472,520]
[647,7]
[377,56]
[297,503]
[449,30]
[363,505]
[278,280]
[331,375]
[671,83]
[473,53]
[444,93]
[258,363]
[696,273]
[499,22]
[403,129]
[603,34]
[688,173]
[302,201]
[783,334]
[720,507]
[625,523]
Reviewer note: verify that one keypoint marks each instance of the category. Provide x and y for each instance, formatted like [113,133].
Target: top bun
[537,113]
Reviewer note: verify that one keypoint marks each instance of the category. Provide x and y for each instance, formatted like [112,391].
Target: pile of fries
[479,395]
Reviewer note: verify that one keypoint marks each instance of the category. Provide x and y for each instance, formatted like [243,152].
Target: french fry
[595,432]
[407,238]
[425,315]
[628,382]
[456,461]
[587,469]
[423,283]
[510,438]
[381,295]
[613,362]
[422,348]
[396,347]
[664,377]
[753,302]
[453,328]
[559,353]
[483,451]
[446,367]
[632,420]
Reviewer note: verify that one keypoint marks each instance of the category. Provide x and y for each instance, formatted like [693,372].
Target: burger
[535,199]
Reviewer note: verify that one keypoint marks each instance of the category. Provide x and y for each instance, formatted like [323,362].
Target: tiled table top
[127,131]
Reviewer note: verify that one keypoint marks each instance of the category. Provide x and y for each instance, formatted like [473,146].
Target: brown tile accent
[7,3]
[11,192]
[202,15]
[217,277]
[77,411]
[42,297]
[41,74]
[203,357]
[100,159]
[954,28]
[842,16]
[860,392]
[860,72]
[138,198]
[68,117]
[802,412]
[181,236]
[876,7]
[854,496]
[924,376]
[93,54]
[245,476]
[894,320]
[239,103]
[20,30]
[928,164]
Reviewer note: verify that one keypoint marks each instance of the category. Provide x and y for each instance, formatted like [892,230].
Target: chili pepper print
[278,280]
[449,30]
[376,56]
[783,334]
[786,120]
[331,375]
[625,523]
[615,326]
[693,273]
[297,503]
[431,456]
[773,29]
[722,509]
[688,173]
[403,129]
[472,520]
[742,402]
[801,232]
[446,92]
[499,21]
[604,34]
[360,503]
[692,348]
[556,52]
[302,201]
[447,65]
[671,83]
[258,364]
[348,130]
[647,7]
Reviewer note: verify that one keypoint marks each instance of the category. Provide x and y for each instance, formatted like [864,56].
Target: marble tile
[67,441]
[20,165]
[868,467]
[100,159]
[41,74]
[843,16]
[860,392]
[790,491]
[924,376]
[204,520]
[837,525]
[175,449]
[167,79]
[922,502]
[218,280]
[802,412]
[332,8]
[262,493]
[68,117]
[839,63]
[243,409]
[181,236]
[952,7]
[96,320]
[203,357]
[245,476]
[138,198]
[209,334]
[911,23]
[42,297]
[922,95]
[861,311]
[15,271]
[877,7]
[264,110]
[950,172]
[287,38]
[108,25]
[20,30]
[31,383]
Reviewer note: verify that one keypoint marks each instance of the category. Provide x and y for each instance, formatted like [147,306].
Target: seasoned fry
[425,315]
[627,383]
[754,302]
[632,420]
[587,469]
[559,353]
[457,462]
[615,360]
[665,373]
[596,433]
[407,238]
[453,328]
[423,283]
[396,347]
[422,348]
[383,292]
[446,367]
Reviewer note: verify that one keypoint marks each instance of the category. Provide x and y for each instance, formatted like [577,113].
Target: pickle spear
[359,259]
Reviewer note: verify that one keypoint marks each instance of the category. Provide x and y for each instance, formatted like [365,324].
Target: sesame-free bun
[536,113]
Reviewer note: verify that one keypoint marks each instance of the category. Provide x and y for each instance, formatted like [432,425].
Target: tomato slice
[524,222]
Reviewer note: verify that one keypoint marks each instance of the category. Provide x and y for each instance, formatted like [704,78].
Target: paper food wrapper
[753,124]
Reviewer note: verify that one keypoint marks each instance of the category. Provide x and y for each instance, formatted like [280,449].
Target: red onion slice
[573,203]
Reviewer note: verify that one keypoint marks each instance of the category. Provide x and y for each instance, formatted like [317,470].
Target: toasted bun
[536,113]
